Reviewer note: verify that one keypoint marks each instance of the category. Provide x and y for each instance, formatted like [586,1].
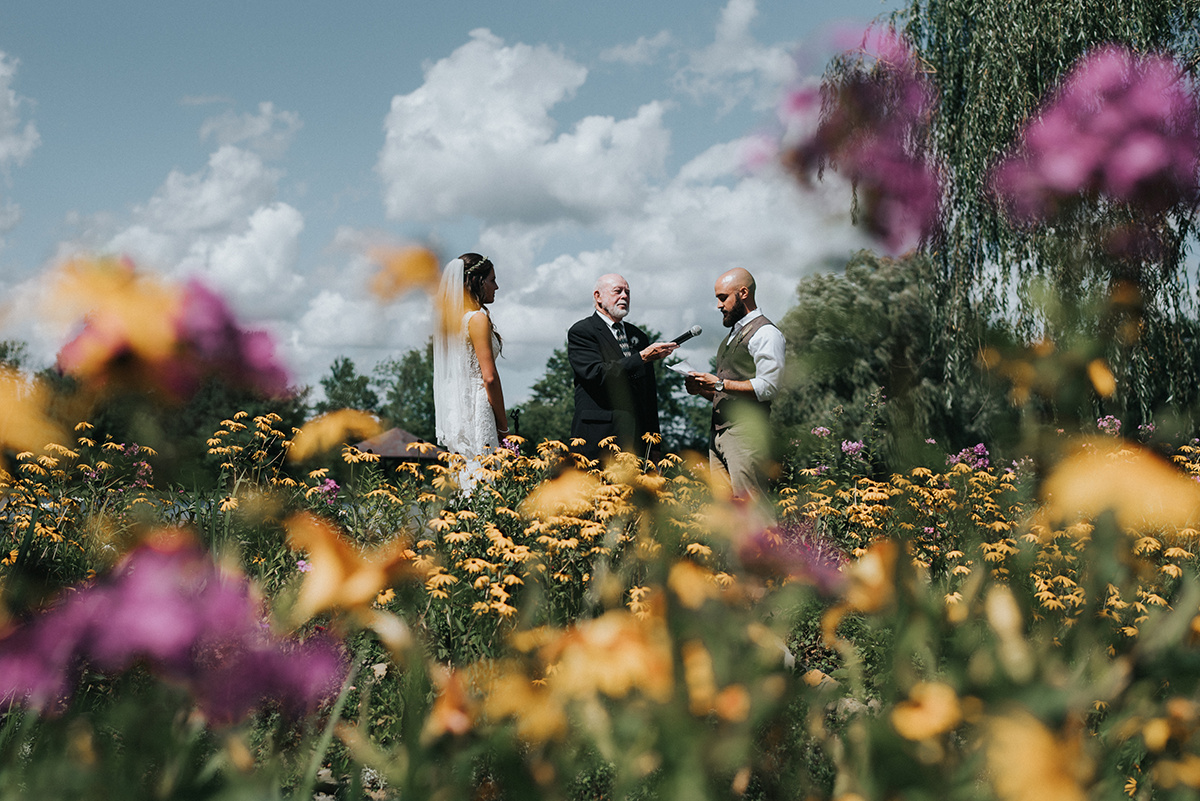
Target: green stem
[335,714]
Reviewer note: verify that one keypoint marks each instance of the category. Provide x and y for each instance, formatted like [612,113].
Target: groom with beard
[749,369]
[616,394]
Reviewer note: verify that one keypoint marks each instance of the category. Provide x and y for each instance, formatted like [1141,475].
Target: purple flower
[1120,125]
[208,329]
[143,333]
[794,550]
[1109,425]
[303,566]
[853,449]
[237,676]
[871,133]
[977,457]
[328,489]
[168,606]
[820,431]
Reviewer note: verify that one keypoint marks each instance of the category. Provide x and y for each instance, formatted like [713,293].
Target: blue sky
[265,146]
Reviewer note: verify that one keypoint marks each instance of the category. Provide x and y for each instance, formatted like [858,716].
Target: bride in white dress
[467,396]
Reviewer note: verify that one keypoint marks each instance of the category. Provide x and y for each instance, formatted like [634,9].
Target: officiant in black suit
[615,389]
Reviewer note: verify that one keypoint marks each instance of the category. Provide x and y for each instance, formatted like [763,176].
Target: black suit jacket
[615,395]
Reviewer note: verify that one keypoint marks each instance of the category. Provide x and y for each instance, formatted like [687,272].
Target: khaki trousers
[741,452]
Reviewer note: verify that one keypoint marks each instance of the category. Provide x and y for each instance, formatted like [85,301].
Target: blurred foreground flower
[330,429]
[140,332]
[167,605]
[1121,125]
[571,492]
[932,708]
[796,551]
[402,270]
[870,586]
[1138,486]
[340,575]
[24,425]
[614,655]
[870,132]
[1028,761]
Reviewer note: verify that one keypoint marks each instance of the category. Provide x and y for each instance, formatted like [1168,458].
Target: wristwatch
[720,385]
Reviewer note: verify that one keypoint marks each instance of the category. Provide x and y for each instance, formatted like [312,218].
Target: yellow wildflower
[342,576]
[1028,761]
[1140,487]
[331,429]
[932,708]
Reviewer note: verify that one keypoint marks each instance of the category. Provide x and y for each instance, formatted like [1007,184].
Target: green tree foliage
[190,427]
[345,388]
[992,63]
[14,353]
[547,415]
[872,329]
[406,387]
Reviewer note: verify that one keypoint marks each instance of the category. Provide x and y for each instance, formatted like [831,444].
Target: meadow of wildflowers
[971,627]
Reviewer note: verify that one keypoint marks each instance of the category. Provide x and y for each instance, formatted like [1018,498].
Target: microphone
[694,331]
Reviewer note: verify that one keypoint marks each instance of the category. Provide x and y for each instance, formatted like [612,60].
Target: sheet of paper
[683,367]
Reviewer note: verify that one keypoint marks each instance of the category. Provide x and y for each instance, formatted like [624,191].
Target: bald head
[735,295]
[612,296]
[731,281]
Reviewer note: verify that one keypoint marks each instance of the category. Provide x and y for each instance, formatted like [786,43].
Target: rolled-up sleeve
[767,347]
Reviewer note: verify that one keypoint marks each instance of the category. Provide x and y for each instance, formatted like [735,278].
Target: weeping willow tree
[991,64]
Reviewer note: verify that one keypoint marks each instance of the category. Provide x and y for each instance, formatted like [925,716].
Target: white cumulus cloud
[268,133]
[710,217]
[736,67]
[221,224]
[643,51]
[477,139]
[18,137]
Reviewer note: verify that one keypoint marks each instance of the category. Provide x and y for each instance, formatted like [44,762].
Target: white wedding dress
[464,419]
[477,433]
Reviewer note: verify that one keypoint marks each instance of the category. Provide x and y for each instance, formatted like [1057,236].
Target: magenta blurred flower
[794,550]
[870,133]
[1121,125]
[207,329]
[168,606]
[142,332]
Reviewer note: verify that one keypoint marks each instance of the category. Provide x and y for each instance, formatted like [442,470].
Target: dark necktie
[619,331]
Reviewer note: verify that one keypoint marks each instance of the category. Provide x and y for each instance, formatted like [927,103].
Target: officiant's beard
[614,311]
